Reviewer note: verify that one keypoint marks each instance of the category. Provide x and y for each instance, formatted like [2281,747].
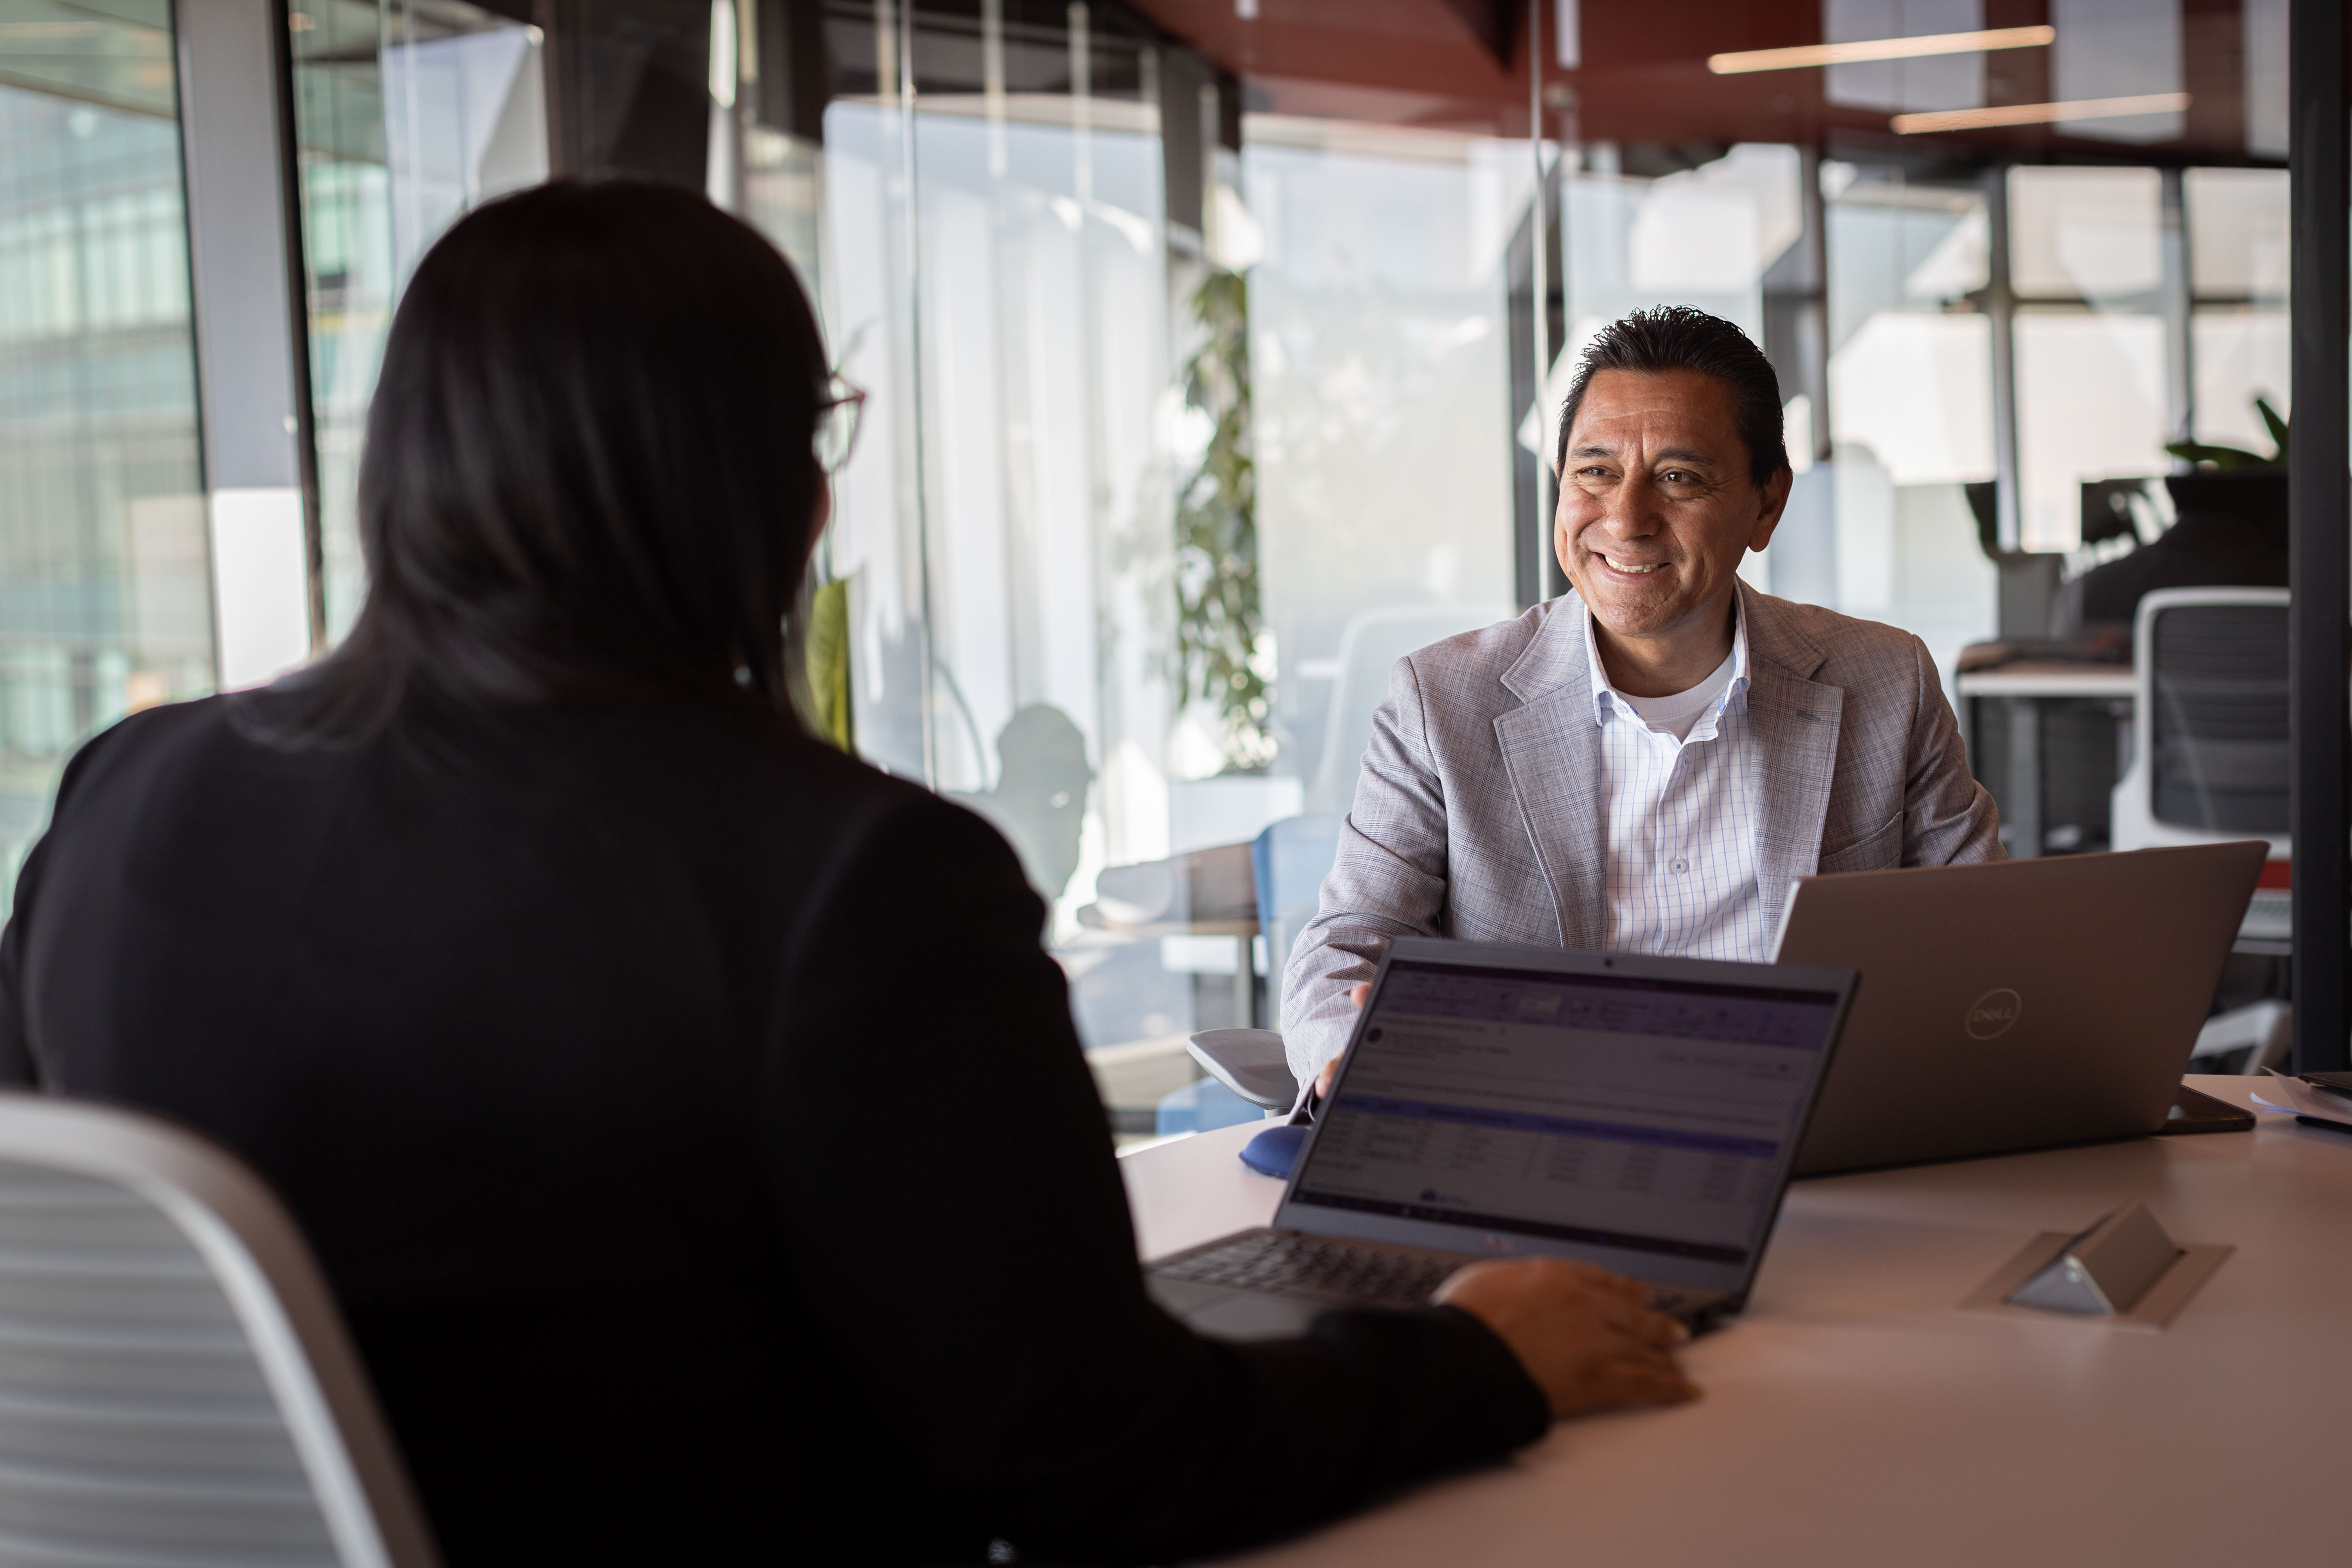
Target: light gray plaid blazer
[1478,813]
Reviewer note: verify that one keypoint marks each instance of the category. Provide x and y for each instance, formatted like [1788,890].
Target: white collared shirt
[1681,809]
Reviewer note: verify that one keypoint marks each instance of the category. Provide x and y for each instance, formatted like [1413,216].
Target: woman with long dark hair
[686,1118]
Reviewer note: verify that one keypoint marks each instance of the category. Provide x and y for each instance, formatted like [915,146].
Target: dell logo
[1994,1014]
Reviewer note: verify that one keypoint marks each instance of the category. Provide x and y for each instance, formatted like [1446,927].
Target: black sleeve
[16,1068]
[982,1272]
[19,1068]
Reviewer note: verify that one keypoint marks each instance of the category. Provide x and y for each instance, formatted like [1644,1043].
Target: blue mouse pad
[1274,1152]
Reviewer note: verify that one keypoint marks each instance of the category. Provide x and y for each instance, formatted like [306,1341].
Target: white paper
[2304,1100]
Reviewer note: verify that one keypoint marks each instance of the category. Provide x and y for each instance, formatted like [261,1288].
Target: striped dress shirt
[1681,820]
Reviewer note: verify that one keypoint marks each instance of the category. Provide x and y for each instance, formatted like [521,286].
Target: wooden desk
[1852,1417]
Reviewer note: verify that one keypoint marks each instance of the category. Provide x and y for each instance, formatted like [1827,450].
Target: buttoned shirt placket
[1681,817]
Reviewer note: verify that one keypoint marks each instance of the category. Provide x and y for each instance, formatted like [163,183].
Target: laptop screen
[1641,1120]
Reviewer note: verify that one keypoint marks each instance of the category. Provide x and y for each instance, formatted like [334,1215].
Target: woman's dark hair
[1676,337]
[589,474]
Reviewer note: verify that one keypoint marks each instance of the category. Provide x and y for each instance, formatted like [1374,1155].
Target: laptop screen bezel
[1655,1268]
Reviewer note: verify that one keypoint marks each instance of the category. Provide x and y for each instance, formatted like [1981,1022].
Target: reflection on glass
[105,601]
[1885,534]
[1934,82]
[2091,234]
[1702,236]
[2264,24]
[2238,262]
[1378,315]
[406,115]
[2241,354]
[2117,48]
[2095,393]
[2238,232]
[1006,526]
[2091,394]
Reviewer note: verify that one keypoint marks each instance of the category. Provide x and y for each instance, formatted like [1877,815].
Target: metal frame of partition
[245,246]
[2320,317]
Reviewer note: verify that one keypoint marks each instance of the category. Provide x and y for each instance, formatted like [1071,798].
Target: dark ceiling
[1461,64]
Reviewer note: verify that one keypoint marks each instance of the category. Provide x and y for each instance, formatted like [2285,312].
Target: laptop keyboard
[1274,1261]
[1281,1262]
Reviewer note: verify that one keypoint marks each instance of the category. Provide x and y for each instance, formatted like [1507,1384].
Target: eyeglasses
[837,418]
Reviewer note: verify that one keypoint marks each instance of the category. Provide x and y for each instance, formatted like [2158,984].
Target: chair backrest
[2212,708]
[1291,858]
[1368,648]
[175,1385]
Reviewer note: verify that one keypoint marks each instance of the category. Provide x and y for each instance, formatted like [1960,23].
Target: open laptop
[1638,1114]
[2022,1005]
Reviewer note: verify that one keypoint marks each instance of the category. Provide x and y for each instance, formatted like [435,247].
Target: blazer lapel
[1795,722]
[1552,753]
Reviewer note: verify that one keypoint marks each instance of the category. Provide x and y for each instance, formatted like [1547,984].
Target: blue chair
[1288,862]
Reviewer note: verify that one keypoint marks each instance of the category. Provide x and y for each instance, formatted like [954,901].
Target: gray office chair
[2209,754]
[1369,646]
[2211,764]
[176,1386]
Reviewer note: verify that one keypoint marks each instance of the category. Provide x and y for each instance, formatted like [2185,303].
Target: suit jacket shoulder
[1821,645]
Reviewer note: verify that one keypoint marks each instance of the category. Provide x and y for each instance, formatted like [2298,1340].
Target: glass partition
[2099,390]
[1003,540]
[1378,308]
[1911,411]
[407,113]
[105,586]
[2237,269]
[1211,367]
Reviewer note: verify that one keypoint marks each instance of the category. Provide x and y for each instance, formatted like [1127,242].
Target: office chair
[1369,646]
[1290,860]
[2210,759]
[2211,764]
[176,1385]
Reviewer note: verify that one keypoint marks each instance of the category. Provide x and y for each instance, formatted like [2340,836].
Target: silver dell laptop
[1638,1114]
[2022,1005]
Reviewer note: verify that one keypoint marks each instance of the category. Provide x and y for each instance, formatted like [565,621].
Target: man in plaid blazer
[1649,763]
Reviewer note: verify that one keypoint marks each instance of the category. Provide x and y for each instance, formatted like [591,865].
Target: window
[105,586]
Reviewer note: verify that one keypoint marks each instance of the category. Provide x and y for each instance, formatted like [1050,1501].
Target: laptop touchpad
[1248,1315]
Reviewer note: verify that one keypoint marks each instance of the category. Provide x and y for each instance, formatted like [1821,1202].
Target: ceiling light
[2040,113]
[1810,54]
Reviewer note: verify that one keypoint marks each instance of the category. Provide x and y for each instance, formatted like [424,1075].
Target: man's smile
[1628,568]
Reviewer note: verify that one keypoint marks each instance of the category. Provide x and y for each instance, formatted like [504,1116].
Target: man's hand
[1588,1337]
[1358,993]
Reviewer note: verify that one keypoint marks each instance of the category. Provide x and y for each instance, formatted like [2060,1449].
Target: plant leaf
[2220,457]
[2277,426]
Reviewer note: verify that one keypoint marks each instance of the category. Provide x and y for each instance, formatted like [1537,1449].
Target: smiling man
[1649,763]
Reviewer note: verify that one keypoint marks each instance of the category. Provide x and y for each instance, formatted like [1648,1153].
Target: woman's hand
[1586,1336]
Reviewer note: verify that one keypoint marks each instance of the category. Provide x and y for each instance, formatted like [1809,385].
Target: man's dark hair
[589,475]
[1676,337]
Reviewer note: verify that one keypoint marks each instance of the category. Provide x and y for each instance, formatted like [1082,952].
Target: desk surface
[1853,1417]
[2050,679]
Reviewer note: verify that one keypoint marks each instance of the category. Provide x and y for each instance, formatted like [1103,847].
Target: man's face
[1656,507]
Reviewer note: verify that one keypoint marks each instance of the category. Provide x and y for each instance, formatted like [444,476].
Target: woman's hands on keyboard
[1588,1337]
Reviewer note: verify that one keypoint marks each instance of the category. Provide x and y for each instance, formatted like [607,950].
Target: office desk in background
[2049,740]
[1855,1419]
